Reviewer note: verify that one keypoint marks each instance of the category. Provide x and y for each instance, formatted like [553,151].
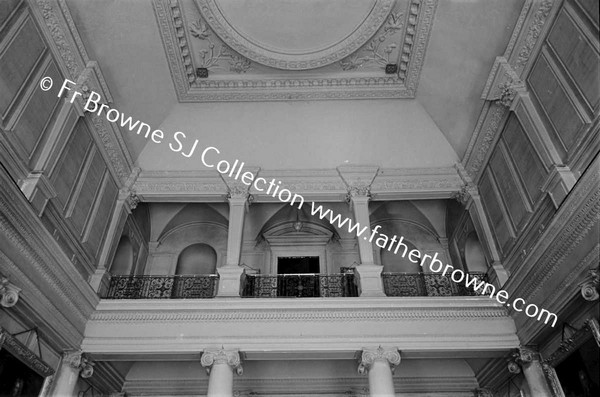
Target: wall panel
[100,214]
[37,114]
[18,56]
[578,55]
[558,109]
[496,214]
[528,163]
[509,188]
[80,208]
[70,163]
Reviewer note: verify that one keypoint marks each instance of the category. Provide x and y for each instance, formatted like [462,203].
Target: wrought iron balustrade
[162,287]
[304,285]
[423,284]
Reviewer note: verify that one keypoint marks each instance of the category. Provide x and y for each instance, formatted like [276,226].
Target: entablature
[180,329]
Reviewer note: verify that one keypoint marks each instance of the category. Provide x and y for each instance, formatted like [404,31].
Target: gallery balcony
[301,285]
[423,284]
[163,287]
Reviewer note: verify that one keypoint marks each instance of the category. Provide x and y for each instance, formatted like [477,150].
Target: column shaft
[381,383]
[220,381]
[65,381]
[534,374]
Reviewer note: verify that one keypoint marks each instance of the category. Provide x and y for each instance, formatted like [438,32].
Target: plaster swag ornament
[369,356]
[222,356]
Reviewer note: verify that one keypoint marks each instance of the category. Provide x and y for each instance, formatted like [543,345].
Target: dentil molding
[346,83]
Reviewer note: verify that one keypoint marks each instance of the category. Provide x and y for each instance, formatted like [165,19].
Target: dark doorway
[297,264]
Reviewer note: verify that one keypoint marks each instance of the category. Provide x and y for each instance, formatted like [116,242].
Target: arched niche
[474,255]
[197,259]
[396,263]
[123,260]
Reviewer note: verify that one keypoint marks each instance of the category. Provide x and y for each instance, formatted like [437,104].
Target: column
[528,361]
[220,365]
[368,273]
[379,364]
[73,365]
[229,275]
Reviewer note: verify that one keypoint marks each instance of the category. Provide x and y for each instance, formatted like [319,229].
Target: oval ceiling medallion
[292,34]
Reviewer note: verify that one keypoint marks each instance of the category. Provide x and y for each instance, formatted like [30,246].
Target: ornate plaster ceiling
[313,49]
[295,35]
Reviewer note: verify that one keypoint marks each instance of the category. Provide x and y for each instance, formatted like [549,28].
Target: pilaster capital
[78,361]
[129,198]
[466,193]
[523,355]
[591,286]
[9,293]
[222,356]
[239,193]
[370,356]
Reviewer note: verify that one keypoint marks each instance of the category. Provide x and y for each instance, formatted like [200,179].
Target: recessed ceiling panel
[295,35]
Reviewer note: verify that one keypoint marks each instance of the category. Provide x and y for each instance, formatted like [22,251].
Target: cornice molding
[350,85]
[330,309]
[316,185]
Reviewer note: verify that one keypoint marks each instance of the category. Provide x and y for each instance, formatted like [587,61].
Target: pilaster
[127,201]
[229,275]
[470,198]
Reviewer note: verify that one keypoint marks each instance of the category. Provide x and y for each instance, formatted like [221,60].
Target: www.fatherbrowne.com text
[273,188]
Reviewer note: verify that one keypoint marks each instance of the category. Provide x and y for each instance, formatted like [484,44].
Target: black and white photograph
[299,198]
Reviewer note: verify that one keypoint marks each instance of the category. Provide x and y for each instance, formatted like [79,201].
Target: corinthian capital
[369,356]
[222,356]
